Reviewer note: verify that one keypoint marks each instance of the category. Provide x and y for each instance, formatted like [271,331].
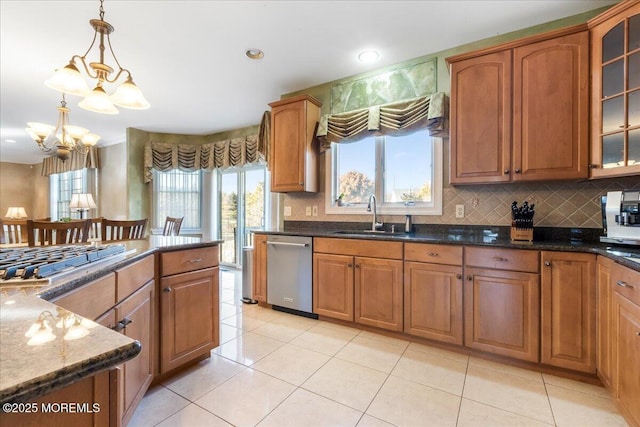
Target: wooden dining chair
[172,226]
[95,229]
[13,231]
[123,229]
[46,233]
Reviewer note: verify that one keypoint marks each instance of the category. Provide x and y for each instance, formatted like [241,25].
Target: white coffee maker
[621,217]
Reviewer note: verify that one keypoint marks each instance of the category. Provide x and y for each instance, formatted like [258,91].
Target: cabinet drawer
[367,248]
[188,260]
[133,276]
[626,282]
[92,299]
[503,259]
[434,254]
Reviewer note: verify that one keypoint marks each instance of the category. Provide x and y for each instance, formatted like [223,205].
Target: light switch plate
[287,211]
[307,211]
[459,211]
[315,211]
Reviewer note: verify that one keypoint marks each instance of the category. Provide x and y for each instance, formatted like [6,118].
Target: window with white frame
[63,185]
[178,194]
[404,173]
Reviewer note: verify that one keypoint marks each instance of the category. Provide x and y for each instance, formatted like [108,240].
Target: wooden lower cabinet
[626,352]
[378,293]
[136,314]
[502,312]
[569,310]
[604,322]
[433,301]
[333,286]
[259,279]
[189,323]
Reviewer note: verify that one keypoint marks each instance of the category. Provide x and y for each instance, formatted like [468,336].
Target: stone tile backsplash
[574,204]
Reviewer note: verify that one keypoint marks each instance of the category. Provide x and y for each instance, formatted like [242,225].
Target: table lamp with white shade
[16,212]
[82,202]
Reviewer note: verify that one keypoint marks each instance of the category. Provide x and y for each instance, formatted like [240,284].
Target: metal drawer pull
[167,289]
[547,263]
[458,276]
[434,254]
[499,258]
[191,261]
[349,265]
[623,284]
[126,321]
[638,333]
[469,278]
[301,245]
[119,326]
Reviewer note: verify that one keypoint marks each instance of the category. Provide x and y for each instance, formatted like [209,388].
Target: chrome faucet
[371,207]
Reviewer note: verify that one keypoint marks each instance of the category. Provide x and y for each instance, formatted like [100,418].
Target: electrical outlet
[459,211]
[307,211]
[315,211]
[287,211]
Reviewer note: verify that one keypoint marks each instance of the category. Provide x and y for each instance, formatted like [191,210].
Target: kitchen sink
[371,232]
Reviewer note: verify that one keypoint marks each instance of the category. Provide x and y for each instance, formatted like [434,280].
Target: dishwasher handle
[301,245]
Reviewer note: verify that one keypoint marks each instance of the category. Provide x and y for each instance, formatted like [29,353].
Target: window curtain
[76,161]
[264,137]
[190,157]
[396,118]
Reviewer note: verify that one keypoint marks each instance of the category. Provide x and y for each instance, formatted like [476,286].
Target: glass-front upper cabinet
[615,59]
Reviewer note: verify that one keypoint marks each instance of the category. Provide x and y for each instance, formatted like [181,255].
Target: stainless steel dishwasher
[289,264]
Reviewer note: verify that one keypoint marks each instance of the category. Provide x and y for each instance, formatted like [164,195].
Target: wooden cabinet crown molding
[517,43]
[612,12]
[304,97]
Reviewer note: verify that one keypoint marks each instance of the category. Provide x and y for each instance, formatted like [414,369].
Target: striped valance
[191,157]
[390,119]
[76,161]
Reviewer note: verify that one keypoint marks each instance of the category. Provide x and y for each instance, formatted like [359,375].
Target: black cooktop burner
[42,262]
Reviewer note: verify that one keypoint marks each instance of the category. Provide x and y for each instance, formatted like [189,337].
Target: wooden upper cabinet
[293,154]
[519,111]
[481,119]
[551,109]
[615,91]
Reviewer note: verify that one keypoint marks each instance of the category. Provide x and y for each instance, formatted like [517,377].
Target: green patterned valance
[191,157]
[396,118]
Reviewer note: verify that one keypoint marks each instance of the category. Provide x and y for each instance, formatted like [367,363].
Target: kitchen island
[30,371]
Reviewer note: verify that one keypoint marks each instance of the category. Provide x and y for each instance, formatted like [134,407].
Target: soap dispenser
[408,227]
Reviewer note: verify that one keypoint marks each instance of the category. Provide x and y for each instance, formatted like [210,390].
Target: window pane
[356,170]
[634,147]
[613,43]
[408,168]
[68,184]
[613,78]
[228,215]
[613,114]
[613,150]
[177,194]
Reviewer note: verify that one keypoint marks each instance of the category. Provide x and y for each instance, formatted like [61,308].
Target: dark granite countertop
[545,239]
[29,371]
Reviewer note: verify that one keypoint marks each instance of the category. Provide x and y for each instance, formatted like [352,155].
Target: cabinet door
[433,301]
[551,109]
[568,310]
[333,286]
[260,267]
[481,119]
[627,356]
[136,314]
[615,99]
[189,324]
[502,312]
[293,156]
[378,293]
[604,322]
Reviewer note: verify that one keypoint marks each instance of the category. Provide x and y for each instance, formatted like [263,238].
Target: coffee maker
[621,217]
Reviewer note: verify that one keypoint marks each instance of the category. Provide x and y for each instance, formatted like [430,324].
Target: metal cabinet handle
[191,261]
[167,289]
[126,321]
[623,284]
[434,254]
[592,166]
[517,171]
[500,259]
[458,276]
[304,245]
[119,326]
[547,263]
[469,278]
[506,171]
[357,265]
[638,333]
[350,265]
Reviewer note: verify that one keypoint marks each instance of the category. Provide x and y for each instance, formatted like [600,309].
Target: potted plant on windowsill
[340,199]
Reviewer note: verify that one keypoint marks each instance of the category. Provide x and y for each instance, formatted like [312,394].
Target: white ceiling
[188,56]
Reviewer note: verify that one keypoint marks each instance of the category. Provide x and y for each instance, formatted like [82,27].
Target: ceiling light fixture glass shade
[69,79]
[63,138]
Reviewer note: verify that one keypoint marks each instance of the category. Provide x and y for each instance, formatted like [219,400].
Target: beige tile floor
[276,369]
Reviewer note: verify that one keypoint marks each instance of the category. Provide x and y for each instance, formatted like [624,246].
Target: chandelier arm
[117,76]
[95,36]
[115,59]
[84,65]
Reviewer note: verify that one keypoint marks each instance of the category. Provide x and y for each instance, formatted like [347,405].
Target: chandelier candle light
[69,79]
[63,138]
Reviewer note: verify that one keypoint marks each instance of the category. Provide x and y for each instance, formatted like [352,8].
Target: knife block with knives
[522,221]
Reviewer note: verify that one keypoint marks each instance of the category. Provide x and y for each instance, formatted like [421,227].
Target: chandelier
[62,138]
[69,80]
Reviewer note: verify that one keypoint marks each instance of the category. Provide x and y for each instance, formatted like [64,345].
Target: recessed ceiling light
[254,54]
[368,56]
